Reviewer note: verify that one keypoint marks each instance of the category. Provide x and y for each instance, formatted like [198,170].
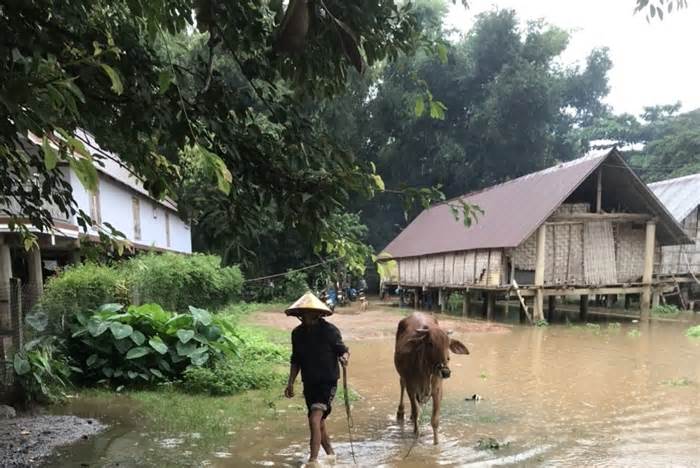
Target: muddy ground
[25,441]
[378,321]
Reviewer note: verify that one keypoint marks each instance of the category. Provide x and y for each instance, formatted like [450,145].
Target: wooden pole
[599,192]
[465,303]
[649,243]
[583,307]
[551,307]
[36,276]
[5,275]
[628,300]
[490,304]
[416,292]
[538,309]
[441,300]
[523,306]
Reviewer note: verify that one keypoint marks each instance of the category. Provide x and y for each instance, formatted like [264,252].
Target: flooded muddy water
[590,395]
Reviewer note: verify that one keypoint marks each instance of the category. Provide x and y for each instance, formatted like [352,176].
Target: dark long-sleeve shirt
[315,349]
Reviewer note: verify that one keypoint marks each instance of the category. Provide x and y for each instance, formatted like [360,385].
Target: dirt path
[379,321]
[25,441]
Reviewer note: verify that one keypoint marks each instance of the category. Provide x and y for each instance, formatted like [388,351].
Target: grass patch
[681,382]
[665,311]
[633,333]
[693,332]
[171,411]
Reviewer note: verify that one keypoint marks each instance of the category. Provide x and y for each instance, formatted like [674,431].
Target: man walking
[317,347]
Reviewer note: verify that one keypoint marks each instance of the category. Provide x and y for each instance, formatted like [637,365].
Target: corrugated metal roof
[680,195]
[512,211]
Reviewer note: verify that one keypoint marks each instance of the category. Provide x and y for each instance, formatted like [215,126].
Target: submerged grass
[693,332]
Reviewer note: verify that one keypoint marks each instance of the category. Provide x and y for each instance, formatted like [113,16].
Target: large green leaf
[38,321]
[114,77]
[91,360]
[21,365]
[50,155]
[199,359]
[157,343]
[123,345]
[120,330]
[138,338]
[185,349]
[200,316]
[157,373]
[137,352]
[110,308]
[185,335]
[97,326]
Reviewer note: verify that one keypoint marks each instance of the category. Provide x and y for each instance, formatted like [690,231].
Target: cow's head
[437,346]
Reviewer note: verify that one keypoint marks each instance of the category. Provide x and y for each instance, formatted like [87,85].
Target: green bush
[178,281]
[231,377]
[146,344]
[42,371]
[78,288]
[256,366]
[693,332]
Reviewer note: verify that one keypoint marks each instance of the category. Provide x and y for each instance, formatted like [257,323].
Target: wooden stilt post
[551,307]
[5,275]
[36,275]
[416,293]
[628,301]
[490,304]
[649,244]
[484,304]
[465,303]
[538,309]
[441,300]
[583,307]
[599,192]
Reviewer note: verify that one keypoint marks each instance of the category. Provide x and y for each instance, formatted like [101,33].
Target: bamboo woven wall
[457,269]
[681,259]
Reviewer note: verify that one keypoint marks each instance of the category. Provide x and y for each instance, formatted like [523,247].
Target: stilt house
[588,226]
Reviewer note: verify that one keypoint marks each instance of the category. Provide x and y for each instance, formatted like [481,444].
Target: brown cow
[422,357]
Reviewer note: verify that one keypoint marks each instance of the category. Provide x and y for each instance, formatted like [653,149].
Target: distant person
[317,347]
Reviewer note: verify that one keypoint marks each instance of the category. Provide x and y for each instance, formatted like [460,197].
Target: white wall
[116,209]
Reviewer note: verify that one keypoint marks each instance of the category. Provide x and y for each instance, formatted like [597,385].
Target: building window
[167,229]
[95,212]
[136,210]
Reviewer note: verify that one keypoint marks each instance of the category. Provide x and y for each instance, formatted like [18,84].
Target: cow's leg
[400,411]
[414,411]
[435,420]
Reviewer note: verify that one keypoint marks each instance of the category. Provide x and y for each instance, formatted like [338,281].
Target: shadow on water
[589,395]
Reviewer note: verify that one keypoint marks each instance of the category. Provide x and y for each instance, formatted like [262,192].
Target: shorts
[320,396]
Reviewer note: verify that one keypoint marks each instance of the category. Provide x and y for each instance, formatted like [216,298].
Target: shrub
[78,288]
[254,367]
[146,344]
[693,332]
[231,377]
[42,372]
[178,281]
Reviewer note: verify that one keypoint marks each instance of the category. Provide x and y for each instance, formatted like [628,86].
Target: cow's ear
[458,347]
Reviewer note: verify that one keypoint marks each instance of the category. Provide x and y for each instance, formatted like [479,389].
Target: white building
[120,200]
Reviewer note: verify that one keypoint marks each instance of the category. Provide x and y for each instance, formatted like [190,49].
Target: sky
[653,63]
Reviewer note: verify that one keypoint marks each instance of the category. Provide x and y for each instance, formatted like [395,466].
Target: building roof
[681,195]
[515,209]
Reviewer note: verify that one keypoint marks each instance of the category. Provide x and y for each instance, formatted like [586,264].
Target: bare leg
[435,420]
[325,439]
[414,412]
[400,412]
[315,428]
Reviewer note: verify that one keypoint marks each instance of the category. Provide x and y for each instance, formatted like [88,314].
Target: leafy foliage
[659,143]
[256,366]
[285,289]
[693,332]
[665,310]
[178,281]
[79,288]
[146,344]
[42,371]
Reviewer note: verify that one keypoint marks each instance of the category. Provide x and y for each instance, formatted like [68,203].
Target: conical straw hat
[308,302]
